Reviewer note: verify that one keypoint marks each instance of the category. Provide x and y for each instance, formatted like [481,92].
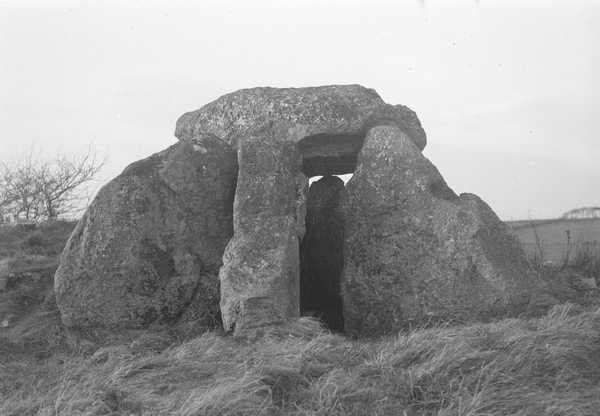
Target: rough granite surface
[325,111]
[213,229]
[149,247]
[414,251]
[260,274]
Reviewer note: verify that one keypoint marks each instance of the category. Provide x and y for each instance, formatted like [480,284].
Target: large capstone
[321,253]
[414,251]
[149,247]
[330,121]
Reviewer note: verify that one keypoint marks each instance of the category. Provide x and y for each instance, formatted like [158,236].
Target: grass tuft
[544,366]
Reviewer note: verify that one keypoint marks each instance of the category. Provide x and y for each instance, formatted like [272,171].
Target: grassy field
[546,364]
[553,240]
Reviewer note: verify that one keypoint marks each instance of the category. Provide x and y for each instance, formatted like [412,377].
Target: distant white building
[582,213]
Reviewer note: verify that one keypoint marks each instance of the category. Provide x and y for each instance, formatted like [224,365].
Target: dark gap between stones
[321,249]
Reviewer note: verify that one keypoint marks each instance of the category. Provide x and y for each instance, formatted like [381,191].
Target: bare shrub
[34,189]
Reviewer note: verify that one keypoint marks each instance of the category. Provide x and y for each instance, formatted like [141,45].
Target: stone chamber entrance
[228,207]
[321,249]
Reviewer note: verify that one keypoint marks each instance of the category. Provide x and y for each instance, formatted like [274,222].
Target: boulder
[260,273]
[414,251]
[149,247]
[321,253]
[330,121]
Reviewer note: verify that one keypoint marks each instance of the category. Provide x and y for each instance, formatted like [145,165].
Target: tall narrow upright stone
[260,273]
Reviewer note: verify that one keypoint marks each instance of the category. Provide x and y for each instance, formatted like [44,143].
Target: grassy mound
[544,366]
[548,365]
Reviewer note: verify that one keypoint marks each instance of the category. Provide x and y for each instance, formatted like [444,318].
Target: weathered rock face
[321,253]
[280,134]
[331,121]
[260,273]
[150,245]
[414,250]
[167,239]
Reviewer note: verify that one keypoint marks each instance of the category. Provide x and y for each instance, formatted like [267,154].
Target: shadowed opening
[321,250]
[321,254]
[330,154]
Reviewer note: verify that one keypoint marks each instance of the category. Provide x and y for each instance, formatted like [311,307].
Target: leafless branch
[33,189]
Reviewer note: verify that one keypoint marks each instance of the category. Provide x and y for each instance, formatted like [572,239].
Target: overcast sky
[507,92]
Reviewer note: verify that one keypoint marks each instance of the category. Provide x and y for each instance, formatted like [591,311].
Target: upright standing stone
[150,245]
[260,273]
[415,251]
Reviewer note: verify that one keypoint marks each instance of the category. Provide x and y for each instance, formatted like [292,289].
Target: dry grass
[545,366]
